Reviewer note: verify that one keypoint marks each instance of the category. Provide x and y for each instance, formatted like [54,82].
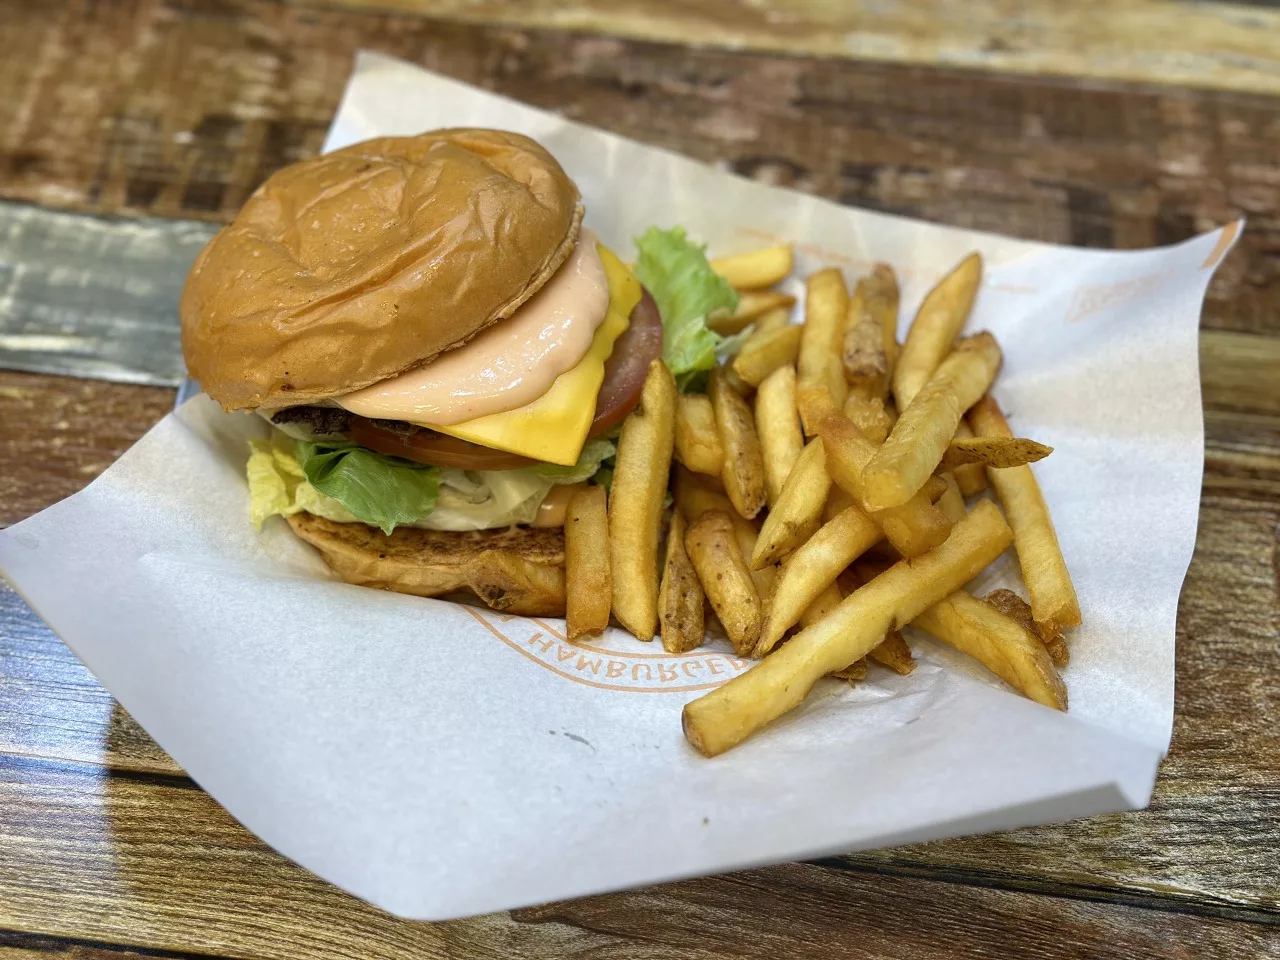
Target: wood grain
[112,860]
[189,106]
[1223,46]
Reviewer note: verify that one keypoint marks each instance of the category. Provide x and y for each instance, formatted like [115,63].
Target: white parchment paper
[442,761]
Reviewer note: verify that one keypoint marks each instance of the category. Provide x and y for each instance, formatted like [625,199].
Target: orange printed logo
[602,665]
[1095,297]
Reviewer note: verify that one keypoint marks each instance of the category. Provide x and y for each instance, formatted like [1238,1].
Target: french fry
[868,415]
[913,528]
[796,513]
[697,442]
[838,500]
[937,323]
[887,281]
[778,426]
[751,306]
[1053,597]
[972,477]
[951,502]
[893,652]
[819,373]
[998,642]
[680,608]
[924,430]
[992,452]
[853,673]
[586,563]
[765,351]
[867,356]
[743,470]
[755,270]
[729,714]
[813,567]
[822,604]
[641,468]
[772,320]
[1012,605]
[717,559]
[694,495]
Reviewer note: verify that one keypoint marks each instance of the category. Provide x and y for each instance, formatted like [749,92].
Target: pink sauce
[510,364]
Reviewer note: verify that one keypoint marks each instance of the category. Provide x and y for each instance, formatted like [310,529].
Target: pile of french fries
[819,502]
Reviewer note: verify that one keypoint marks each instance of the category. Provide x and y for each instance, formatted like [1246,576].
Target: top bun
[359,265]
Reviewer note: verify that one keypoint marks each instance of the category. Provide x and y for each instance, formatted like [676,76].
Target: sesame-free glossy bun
[364,263]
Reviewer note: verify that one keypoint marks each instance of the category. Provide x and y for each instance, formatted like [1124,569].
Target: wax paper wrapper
[442,760]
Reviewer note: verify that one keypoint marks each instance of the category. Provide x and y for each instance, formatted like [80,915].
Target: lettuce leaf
[386,492]
[675,270]
[464,499]
[278,487]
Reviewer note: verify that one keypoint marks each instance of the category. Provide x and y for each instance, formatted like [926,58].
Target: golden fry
[697,443]
[766,351]
[938,322]
[695,494]
[778,426]
[992,452]
[999,643]
[972,477]
[680,608]
[819,374]
[1012,605]
[823,604]
[796,514]
[717,559]
[951,502]
[868,415]
[853,673]
[636,499]
[838,500]
[773,320]
[893,652]
[913,528]
[751,307]
[813,567]
[1044,571]
[755,270]
[924,430]
[586,563]
[743,471]
[868,352]
[729,714]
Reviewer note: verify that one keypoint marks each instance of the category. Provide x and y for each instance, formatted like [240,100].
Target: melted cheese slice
[554,427]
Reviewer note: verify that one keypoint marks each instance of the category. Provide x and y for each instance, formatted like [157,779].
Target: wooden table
[179,109]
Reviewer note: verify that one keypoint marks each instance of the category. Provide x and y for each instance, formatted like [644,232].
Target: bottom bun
[519,570]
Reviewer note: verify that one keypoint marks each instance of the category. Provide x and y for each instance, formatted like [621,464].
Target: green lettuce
[383,491]
[675,270]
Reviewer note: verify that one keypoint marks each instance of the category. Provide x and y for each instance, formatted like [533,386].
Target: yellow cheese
[554,427]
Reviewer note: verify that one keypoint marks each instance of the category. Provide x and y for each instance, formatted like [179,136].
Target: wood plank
[121,861]
[1221,46]
[1216,795]
[60,433]
[195,104]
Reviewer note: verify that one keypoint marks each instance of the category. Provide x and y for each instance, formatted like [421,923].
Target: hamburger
[443,351]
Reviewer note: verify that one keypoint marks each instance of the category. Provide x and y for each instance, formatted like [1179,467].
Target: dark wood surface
[180,109]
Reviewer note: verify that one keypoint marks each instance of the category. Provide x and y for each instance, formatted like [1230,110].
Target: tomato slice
[624,374]
[437,449]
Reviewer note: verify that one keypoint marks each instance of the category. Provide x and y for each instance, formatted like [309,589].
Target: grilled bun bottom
[518,570]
